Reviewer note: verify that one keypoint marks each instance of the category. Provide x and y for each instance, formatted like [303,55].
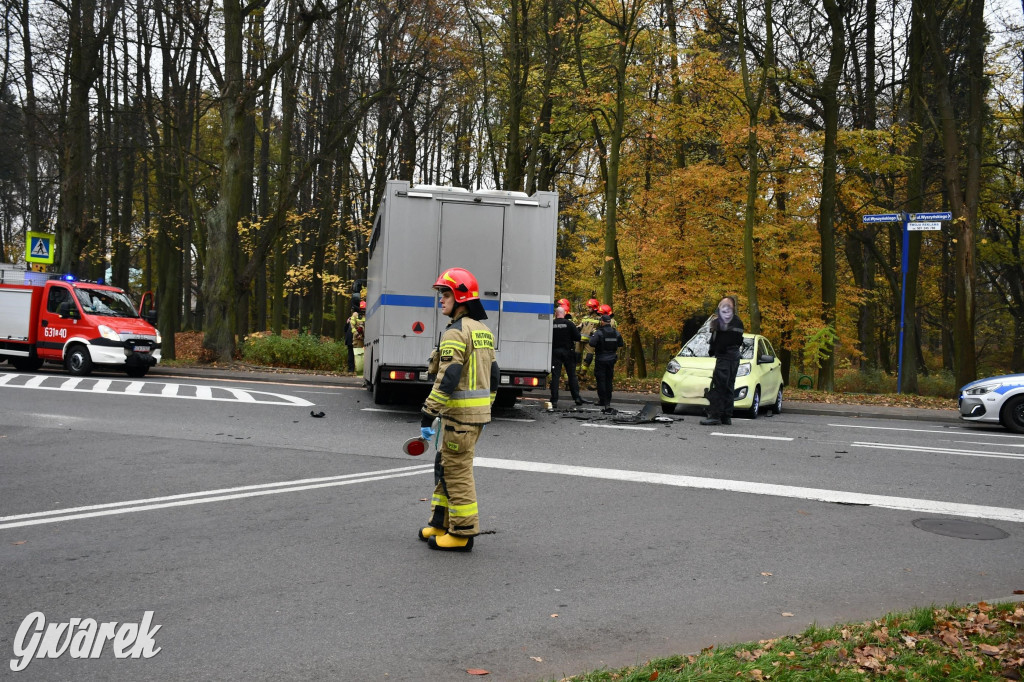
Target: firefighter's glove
[426,432]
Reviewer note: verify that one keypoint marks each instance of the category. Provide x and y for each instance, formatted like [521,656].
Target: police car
[995,399]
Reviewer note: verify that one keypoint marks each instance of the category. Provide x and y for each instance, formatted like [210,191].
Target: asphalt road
[272,545]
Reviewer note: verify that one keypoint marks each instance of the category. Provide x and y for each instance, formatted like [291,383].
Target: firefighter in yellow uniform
[463,391]
[584,353]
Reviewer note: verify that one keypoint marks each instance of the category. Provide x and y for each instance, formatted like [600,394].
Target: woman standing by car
[726,338]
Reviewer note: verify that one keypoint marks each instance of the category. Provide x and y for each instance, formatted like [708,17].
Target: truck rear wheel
[381,392]
[77,361]
[507,397]
[26,364]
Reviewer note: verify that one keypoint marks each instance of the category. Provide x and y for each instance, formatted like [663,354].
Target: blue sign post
[910,221]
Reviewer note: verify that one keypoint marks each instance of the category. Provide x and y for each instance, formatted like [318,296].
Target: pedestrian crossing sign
[39,247]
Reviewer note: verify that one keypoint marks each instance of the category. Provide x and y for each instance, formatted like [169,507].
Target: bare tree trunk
[830,105]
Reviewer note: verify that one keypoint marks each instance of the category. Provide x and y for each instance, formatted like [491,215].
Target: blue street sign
[941,215]
[884,218]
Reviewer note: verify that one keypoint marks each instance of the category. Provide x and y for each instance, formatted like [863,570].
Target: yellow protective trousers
[454,503]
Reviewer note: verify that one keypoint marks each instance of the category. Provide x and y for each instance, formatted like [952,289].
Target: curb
[791,407]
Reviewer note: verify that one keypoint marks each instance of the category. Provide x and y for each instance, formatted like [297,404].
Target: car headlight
[981,390]
[108,333]
[159,339]
[744,369]
[673,367]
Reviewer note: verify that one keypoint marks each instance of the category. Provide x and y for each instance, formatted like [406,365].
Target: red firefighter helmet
[605,309]
[362,305]
[563,303]
[593,304]
[462,283]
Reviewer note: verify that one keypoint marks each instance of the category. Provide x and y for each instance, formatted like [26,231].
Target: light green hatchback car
[758,381]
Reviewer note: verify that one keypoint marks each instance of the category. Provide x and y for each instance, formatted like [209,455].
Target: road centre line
[619,426]
[949,431]
[981,442]
[202,497]
[748,435]
[816,494]
[938,451]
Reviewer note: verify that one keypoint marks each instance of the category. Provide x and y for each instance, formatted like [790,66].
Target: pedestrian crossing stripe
[149,389]
[39,247]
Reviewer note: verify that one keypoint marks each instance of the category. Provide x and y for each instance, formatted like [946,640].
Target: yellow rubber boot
[450,543]
[430,532]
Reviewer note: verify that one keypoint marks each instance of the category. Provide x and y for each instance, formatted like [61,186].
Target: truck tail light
[399,375]
[525,381]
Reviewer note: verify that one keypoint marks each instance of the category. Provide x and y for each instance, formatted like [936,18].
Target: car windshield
[102,302]
[697,347]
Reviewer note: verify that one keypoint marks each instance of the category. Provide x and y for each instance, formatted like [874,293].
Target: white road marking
[951,431]
[168,390]
[982,442]
[748,435]
[619,426]
[818,494]
[221,495]
[413,412]
[939,451]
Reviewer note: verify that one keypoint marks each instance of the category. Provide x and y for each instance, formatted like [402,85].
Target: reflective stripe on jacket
[467,378]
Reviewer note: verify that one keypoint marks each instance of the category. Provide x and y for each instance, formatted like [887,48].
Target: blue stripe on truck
[527,307]
[402,300]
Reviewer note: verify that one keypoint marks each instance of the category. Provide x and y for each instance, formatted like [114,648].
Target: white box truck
[506,239]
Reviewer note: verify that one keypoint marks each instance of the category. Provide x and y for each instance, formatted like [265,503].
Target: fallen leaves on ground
[980,641]
[478,671]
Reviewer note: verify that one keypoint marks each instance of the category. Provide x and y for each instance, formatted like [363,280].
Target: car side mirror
[766,359]
[150,317]
[67,309]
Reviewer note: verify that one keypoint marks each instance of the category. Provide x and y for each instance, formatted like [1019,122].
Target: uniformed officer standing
[606,342]
[564,337]
[463,392]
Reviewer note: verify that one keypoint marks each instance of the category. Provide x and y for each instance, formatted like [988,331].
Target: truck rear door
[471,238]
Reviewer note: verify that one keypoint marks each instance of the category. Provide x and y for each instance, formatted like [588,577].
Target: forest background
[230,156]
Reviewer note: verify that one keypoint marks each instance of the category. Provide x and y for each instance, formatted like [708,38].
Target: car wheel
[777,407]
[668,408]
[755,404]
[78,362]
[1012,414]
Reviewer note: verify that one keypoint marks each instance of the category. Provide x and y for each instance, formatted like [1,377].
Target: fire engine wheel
[26,364]
[78,362]
[136,372]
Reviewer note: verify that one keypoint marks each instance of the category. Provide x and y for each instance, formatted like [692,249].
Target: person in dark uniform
[726,339]
[564,336]
[606,341]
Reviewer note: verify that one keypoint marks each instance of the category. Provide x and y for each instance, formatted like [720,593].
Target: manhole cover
[966,530]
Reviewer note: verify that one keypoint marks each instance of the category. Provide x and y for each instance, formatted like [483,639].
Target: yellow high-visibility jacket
[467,378]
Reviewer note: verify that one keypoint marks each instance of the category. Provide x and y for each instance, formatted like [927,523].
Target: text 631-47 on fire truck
[48,318]
[506,239]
